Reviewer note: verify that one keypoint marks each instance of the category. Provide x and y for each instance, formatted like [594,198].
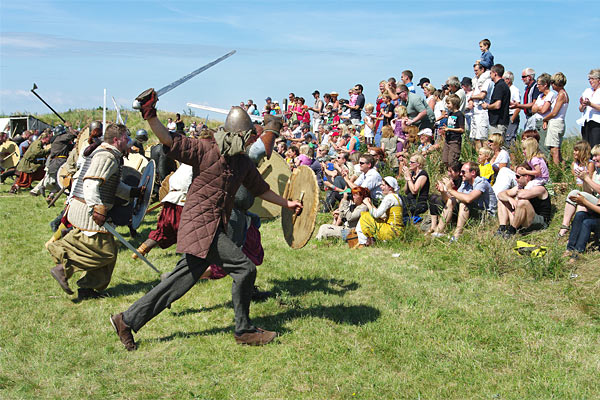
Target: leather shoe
[58,273]
[123,331]
[256,338]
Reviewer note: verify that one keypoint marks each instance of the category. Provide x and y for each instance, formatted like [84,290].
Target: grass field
[416,318]
[465,320]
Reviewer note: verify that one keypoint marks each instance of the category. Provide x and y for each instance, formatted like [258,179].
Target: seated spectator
[281,148]
[388,145]
[290,156]
[475,198]
[379,156]
[416,188]
[590,183]
[484,159]
[305,157]
[501,157]
[346,216]
[535,159]
[385,221]
[369,177]
[584,223]
[334,181]
[523,206]
[437,202]
[426,145]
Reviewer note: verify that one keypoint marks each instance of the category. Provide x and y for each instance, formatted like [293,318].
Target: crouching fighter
[89,247]
[31,166]
[219,167]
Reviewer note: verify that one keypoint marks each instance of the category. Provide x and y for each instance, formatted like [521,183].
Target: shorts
[555,132]
[480,125]
[450,152]
[501,129]
[537,224]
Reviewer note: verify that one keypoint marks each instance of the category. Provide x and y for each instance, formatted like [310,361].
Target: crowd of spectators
[352,144]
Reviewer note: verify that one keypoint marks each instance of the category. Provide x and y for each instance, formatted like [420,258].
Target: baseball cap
[423,81]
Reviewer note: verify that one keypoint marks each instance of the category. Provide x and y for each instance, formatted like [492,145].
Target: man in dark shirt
[499,102]
[530,95]
[355,110]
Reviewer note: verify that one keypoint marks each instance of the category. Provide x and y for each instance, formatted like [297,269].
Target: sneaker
[123,331]
[257,338]
[453,239]
[437,235]
[500,231]
[58,273]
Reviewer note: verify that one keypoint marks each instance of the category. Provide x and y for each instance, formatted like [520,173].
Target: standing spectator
[289,115]
[482,92]
[589,105]
[513,113]
[542,107]
[334,100]
[423,82]
[369,124]
[317,110]
[499,102]
[418,111]
[554,122]
[428,91]
[171,125]
[530,95]
[453,131]
[407,77]
[398,126]
[467,86]
[456,88]
[487,58]
[179,125]
[355,110]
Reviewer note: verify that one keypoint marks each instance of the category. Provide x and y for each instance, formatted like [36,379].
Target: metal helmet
[59,129]
[96,125]
[141,135]
[238,120]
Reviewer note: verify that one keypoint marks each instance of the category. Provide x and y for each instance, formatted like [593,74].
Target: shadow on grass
[349,315]
[300,286]
[123,289]
[187,311]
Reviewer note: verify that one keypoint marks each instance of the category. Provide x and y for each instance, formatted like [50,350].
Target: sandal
[566,229]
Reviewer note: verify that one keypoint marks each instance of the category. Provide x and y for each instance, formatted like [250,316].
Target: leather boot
[145,248]
[14,189]
[273,125]
[58,273]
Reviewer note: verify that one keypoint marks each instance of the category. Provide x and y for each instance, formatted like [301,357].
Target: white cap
[392,182]
[426,132]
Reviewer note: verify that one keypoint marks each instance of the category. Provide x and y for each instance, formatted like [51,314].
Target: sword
[116,234]
[136,104]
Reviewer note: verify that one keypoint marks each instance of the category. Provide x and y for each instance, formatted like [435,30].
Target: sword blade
[116,234]
[192,74]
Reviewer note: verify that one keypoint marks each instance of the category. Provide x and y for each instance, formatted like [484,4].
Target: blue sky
[74,49]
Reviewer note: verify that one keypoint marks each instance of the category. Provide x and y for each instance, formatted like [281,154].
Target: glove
[148,100]
[137,192]
[99,214]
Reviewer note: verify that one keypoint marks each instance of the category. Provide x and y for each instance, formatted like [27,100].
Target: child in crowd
[353,93]
[369,124]
[582,154]
[484,159]
[425,141]
[290,156]
[398,126]
[388,143]
[452,131]
[535,159]
[305,156]
[487,58]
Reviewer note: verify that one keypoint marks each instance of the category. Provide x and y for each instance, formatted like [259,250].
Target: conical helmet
[238,120]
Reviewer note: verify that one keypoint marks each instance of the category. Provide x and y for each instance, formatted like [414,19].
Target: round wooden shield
[61,176]
[141,205]
[135,161]
[11,154]
[276,173]
[164,187]
[303,187]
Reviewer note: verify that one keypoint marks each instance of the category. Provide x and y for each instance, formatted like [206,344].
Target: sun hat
[392,182]
[426,132]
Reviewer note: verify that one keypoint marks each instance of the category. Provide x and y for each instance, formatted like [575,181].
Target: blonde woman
[554,122]
[501,157]
[542,107]
[429,90]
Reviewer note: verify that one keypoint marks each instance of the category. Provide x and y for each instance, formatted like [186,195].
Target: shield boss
[276,173]
[302,187]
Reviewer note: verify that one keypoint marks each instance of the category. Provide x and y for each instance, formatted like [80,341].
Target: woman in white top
[589,105]
[385,221]
[554,122]
[501,157]
[542,107]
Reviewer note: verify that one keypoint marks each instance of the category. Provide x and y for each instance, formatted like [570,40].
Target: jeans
[584,223]
[332,196]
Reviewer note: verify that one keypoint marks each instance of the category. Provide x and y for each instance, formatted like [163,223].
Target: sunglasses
[361,162]
[518,176]
[463,172]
